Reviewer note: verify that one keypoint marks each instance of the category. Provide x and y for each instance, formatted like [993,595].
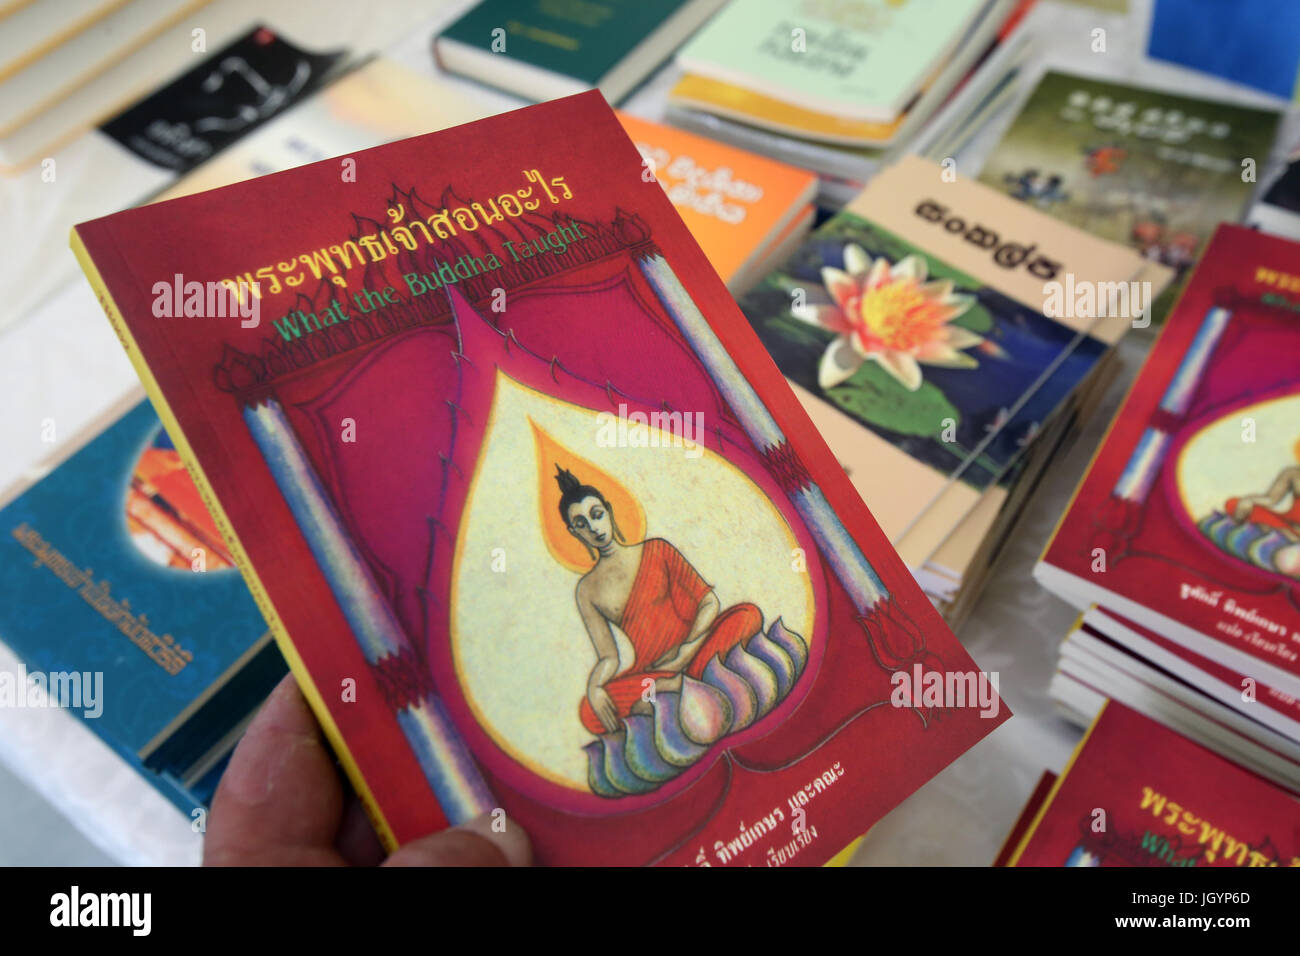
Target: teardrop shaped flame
[564,547]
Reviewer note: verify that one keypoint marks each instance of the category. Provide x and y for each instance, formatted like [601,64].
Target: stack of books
[105,104]
[137,140]
[1182,543]
[59,66]
[938,335]
[1137,794]
[841,89]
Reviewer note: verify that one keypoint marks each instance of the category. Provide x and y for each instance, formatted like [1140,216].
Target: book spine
[237,550]
[1056,788]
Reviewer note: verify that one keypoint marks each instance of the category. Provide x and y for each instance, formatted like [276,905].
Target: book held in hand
[536,521]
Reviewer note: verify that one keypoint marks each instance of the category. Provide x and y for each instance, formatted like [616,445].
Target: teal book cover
[121,600]
[580,40]
[862,60]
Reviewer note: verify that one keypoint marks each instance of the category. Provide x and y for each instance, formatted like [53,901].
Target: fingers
[476,843]
[280,800]
[357,841]
[608,714]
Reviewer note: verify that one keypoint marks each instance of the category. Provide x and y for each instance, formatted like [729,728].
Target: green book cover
[1153,170]
[862,60]
[583,40]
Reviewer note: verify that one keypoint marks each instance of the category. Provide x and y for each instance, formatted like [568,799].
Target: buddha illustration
[1257,529]
[669,613]
[1262,509]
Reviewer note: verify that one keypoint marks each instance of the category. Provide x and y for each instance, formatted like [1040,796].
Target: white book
[34,87]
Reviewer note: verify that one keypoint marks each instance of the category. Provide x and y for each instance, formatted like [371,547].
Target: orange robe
[1283,520]
[657,619]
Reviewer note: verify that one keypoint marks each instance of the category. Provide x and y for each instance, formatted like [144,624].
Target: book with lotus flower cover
[1138,794]
[913,327]
[541,530]
[1188,520]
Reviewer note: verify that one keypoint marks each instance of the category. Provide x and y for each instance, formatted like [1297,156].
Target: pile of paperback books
[1182,544]
[844,98]
[914,327]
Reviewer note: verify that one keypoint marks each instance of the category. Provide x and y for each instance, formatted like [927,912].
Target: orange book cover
[734,203]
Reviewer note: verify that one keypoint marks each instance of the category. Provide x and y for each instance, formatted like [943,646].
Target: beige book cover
[928,327]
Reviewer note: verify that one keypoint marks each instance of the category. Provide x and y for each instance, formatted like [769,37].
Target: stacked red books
[1182,544]
[1136,794]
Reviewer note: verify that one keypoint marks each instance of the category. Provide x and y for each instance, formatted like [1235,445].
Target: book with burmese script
[535,520]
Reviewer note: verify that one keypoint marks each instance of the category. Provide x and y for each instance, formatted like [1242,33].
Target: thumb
[476,843]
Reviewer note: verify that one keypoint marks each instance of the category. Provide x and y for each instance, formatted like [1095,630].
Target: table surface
[63,362]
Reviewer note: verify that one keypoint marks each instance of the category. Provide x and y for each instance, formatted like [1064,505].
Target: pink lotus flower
[889,313]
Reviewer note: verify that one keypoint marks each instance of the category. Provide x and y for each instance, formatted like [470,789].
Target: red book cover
[1138,794]
[539,525]
[1027,815]
[1188,520]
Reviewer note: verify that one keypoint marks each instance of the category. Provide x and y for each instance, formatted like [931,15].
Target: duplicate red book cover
[1137,794]
[539,525]
[1188,520]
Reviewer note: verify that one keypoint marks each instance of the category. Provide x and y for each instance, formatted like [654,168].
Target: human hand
[604,707]
[673,661]
[281,802]
[678,658]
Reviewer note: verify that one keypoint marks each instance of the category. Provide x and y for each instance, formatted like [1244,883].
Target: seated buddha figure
[671,617]
[1264,508]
